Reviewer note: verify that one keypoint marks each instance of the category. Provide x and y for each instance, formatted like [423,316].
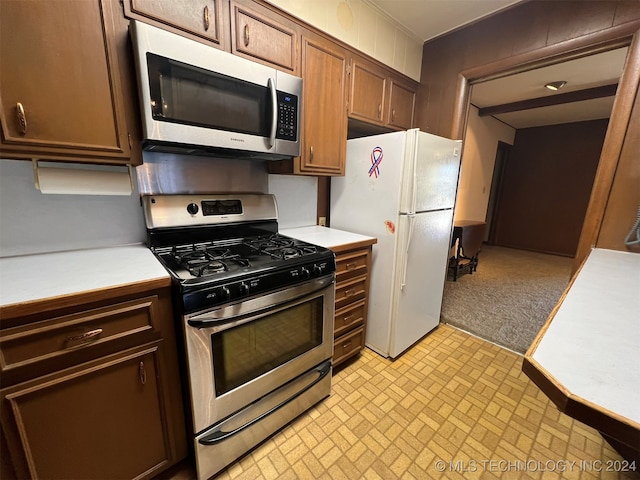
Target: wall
[507,38]
[546,186]
[363,26]
[31,222]
[478,160]
[623,203]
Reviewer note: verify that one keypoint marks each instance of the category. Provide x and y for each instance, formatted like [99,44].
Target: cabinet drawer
[258,37]
[348,345]
[47,339]
[350,265]
[349,317]
[350,291]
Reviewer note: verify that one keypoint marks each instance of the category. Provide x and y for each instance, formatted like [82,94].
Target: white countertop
[592,345]
[326,237]
[38,277]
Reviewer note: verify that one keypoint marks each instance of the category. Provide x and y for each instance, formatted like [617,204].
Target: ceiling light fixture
[556,85]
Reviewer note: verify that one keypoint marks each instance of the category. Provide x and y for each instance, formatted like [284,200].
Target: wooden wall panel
[547,183]
[624,198]
[525,29]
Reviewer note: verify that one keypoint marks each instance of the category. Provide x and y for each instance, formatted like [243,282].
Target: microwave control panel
[287,116]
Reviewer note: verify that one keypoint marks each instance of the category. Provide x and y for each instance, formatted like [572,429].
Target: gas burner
[288,252]
[211,268]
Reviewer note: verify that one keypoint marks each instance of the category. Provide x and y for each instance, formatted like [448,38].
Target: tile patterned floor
[453,406]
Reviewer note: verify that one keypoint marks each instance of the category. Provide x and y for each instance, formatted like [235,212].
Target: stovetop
[207,261]
[224,248]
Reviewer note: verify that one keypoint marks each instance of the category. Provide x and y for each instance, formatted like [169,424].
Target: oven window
[245,352]
[190,95]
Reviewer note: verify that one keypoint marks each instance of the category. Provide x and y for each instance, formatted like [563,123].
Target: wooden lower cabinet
[353,265]
[106,405]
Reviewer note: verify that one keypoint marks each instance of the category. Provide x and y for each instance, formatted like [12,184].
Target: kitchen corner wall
[362,25]
[478,160]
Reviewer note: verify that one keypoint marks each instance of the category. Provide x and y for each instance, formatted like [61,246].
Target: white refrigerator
[400,187]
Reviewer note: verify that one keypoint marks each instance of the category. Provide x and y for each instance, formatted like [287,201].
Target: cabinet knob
[379,110]
[393,115]
[311,153]
[22,118]
[246,35]
[205,14]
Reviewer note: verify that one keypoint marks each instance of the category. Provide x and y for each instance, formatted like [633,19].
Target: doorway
[502,155]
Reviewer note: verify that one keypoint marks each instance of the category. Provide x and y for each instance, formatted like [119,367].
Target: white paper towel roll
[74,181]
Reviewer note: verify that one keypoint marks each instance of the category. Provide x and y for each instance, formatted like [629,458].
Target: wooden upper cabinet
[60,90]
[259,34]
[379,96]
[368,92]
[402,104]
[324,139]
[202,19]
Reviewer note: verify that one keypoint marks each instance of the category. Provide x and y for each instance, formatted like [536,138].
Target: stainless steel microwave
[200,100]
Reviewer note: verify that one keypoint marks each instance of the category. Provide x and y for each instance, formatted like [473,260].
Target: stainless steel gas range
[255,310]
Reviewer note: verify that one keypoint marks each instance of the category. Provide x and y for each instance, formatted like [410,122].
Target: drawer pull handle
[85,336]
[379,110]
[393,115]
[346,344]
[246,35]
[348,293]
[206,18]
[311,153]
[351,266]
[143,373]
[349,318]
[22,118]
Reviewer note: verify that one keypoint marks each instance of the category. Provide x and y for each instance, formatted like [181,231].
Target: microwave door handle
[274,118]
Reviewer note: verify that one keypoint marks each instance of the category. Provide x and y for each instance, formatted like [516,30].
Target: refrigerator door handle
[411,218]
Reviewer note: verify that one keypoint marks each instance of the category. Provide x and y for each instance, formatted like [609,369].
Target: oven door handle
[263,408]
[215,317]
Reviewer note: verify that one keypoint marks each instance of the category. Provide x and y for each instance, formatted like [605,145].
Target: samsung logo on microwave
[237,140]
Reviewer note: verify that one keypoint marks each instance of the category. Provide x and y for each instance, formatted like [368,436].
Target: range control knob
[317,270]
[193,208]
[244,289]
[304,271]
[225,293]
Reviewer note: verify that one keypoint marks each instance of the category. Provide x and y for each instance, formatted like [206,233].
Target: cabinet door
[368,89]
[60,91]
[324,141]
[259,36]
[402,100]
[205,19]
[75,424]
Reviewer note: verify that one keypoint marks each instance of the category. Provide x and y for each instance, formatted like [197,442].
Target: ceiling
[427,19]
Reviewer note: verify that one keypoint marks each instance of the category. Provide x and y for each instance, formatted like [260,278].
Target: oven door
[238,353]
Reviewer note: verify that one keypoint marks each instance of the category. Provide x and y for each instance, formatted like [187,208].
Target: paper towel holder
[116,183]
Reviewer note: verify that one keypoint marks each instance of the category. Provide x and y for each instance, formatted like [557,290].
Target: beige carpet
[509,297]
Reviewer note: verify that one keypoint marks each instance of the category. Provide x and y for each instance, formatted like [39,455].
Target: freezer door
[368,196]
[431,172]
[423,250]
